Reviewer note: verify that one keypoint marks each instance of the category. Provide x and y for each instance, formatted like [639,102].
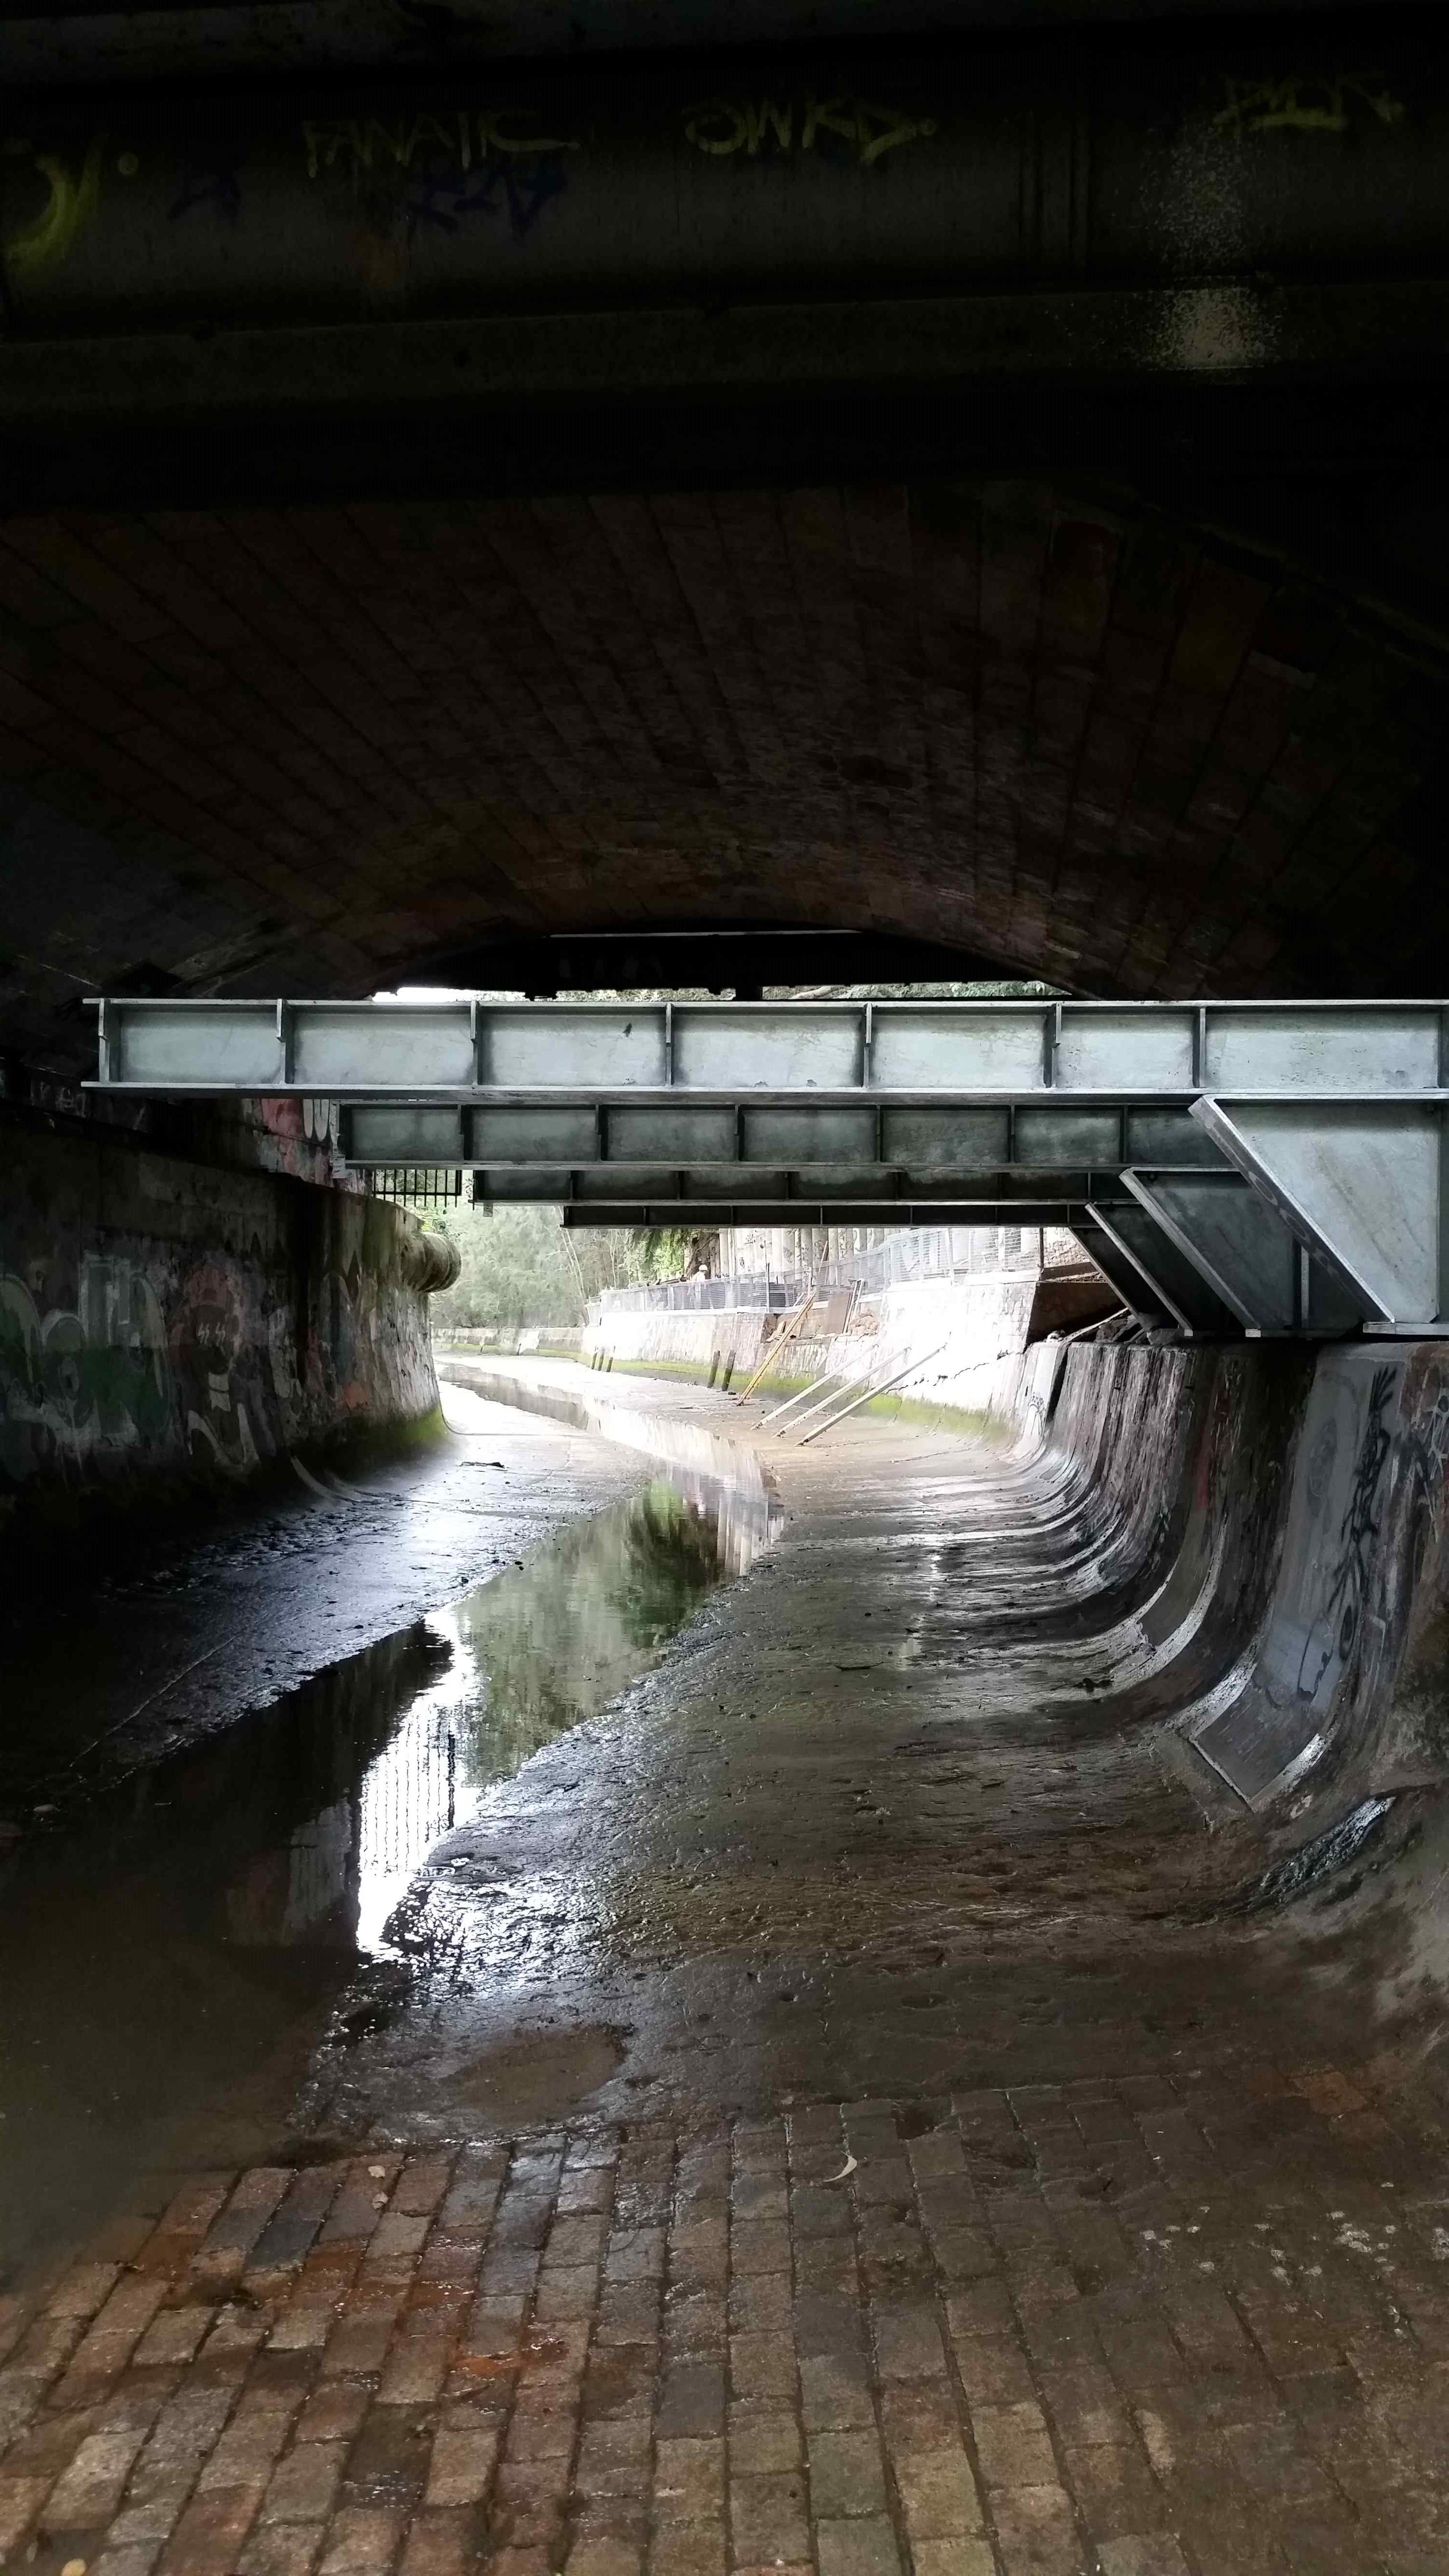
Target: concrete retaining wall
[170,1328]
[1253,1545]
[971,1325]
[1254,1539]
[1272,1520]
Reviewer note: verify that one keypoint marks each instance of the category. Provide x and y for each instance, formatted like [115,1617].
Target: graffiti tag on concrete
[1307,104]
[76,1378]
[725,126]
[1334,1637]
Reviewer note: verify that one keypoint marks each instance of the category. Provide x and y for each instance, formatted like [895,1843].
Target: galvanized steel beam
[780,1190]
[714,1213]
[877,1139]
[1175,1284]
[1244,1252]
[1332,1113]
[1361,1182]
[1121,1272]
[790,1055]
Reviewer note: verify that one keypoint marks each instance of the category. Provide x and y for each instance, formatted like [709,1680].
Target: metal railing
[413,1187]
[914,1252]
[935,1252]
[699,1296]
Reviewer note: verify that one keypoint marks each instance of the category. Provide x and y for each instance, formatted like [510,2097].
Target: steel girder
[711,1213]
[1265,1167]
[1146,1054]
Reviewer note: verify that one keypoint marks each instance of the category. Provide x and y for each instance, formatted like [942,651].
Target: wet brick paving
[1140,2327]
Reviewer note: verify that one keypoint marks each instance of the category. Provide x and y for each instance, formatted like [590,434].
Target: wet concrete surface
[117,1669]
[182,1900]
[731,1784]
[854,1837]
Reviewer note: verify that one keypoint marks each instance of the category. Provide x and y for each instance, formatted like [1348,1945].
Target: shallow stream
[165,1961]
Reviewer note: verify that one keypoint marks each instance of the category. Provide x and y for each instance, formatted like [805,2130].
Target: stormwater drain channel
[166,1961]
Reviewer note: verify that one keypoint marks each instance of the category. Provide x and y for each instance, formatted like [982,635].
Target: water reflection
[718,1477]
[530,1655]
[516,1662]
[171,1954]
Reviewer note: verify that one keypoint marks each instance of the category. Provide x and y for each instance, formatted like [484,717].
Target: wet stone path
[1163,2326]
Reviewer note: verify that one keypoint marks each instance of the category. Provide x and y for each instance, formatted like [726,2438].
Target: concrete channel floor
[815,2117]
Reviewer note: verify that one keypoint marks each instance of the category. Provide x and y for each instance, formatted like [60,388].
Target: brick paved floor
[1156,2327]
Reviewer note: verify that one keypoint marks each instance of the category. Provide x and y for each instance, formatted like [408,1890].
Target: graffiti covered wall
[170,1327]
[1287,1511]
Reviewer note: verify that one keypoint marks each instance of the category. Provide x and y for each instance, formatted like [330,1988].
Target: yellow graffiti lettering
[324,142]
[765,119]
[832,116]
[1305,105]
[724,126]
[890,129]
[717,127]
[401,142]
[431,129]
[362,145]
[491,129]
[74,198]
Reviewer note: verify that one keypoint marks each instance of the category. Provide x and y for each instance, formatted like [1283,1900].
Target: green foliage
[670,1560]
[521,1267]
[673,1251]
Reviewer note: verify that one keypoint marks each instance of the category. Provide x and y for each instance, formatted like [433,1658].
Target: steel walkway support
[1362,1183]
[1263,1167]
[1243,1251]
[1121,1271]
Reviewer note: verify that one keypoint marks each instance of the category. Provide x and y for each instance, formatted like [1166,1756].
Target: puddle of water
[164,1967]
[717,1473]
[530,1655]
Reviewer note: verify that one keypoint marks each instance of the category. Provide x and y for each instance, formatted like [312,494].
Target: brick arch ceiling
[307,749]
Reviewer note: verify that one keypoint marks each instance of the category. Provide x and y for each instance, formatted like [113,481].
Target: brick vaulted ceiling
[314,749]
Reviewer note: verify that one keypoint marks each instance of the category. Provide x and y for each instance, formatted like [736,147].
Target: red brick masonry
[1144,2328]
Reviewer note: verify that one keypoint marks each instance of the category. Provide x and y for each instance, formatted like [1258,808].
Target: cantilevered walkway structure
[1277,1167]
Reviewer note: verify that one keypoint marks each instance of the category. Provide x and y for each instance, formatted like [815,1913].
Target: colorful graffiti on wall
[197,1334]
[77,1377]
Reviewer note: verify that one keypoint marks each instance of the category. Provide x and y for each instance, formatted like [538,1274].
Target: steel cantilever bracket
[1246,1251]
[1359,1183]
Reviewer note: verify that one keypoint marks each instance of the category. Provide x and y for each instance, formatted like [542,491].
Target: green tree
[522,1267]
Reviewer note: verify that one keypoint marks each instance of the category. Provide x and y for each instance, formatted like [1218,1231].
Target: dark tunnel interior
[724,1629]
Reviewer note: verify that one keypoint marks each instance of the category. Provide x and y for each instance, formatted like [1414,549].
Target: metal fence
[416,1186]
[935,1252]
[695,1296]
[912,1252]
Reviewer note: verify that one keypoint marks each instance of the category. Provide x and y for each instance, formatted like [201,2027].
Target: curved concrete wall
[170,1329]
[1253,1545]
